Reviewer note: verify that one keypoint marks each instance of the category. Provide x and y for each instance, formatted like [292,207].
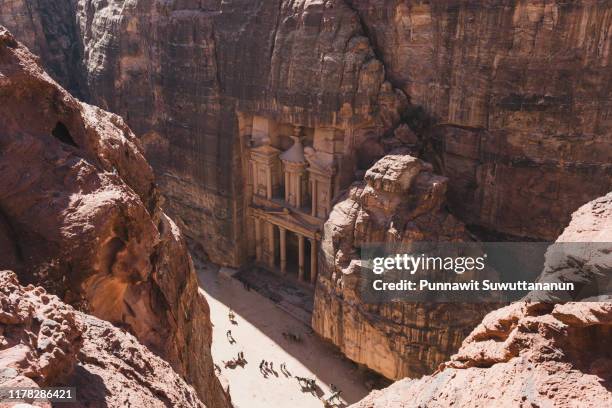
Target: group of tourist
[267,367]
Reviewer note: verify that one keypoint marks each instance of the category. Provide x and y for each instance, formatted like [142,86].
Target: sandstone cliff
[80,215]
[400,201]
[529,354]
[181,73]
[509,97]
[518,93]
[47,343]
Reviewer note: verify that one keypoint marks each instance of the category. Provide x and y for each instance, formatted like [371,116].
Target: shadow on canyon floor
[311,356]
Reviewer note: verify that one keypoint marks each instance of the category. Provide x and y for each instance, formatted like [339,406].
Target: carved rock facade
[188,76]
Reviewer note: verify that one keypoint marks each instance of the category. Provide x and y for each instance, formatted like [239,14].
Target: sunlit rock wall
[400,201]
[80,216]
[530,353]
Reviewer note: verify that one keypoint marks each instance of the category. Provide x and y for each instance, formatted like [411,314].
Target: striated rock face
[529,354]
[47,28]
[80,215]
[182,73]
[401,200]
[519,91]
[301,63]
[46,343]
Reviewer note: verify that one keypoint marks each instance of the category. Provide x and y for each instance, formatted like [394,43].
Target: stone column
[313,260]
[269,183]
[287,187]
[283,250]
[298,189]
[301,258]
[258,242]
[254,176]
[313,211]
[271,245]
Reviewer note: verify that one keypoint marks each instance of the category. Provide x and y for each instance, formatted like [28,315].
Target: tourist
[229,336]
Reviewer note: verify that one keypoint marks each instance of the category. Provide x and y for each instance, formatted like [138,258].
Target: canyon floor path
[259,335]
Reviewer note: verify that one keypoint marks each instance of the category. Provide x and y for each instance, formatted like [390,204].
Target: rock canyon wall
[80,215]
[509,98]
[400,201]
[180,73]
[530,354]
[516,102]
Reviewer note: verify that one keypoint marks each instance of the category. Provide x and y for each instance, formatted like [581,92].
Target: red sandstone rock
[80,215]
[527,354]
[519,92]
[181,72]
[46,343]
[400,201]
[520,356]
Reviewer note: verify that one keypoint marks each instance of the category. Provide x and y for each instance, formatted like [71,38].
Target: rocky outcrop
[522,355]
[46,343]
[518,93]
[401,201]
[80,215]
[582,254]
[590,223]
[529,353]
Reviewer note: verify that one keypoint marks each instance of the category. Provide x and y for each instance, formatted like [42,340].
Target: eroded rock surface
[528,353]
[46,343]
[401,201]
[518,92]
[80,215]
[520,356]
[583,254]
[181,73]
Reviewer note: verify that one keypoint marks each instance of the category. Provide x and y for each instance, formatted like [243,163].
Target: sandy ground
[258,334]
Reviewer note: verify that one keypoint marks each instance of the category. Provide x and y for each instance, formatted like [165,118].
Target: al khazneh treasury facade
[291,178]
